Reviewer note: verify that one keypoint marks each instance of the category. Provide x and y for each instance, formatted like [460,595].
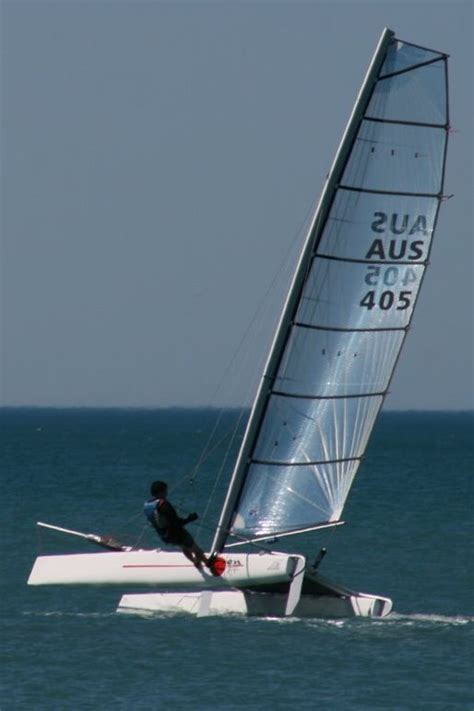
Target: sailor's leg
[199,555]
[190,556]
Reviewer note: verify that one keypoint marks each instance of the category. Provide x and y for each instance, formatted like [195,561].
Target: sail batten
[335,258]
[422,124]
[350,304]
[296,464]
[397,193]
[411,68]
[281,393]
[300,324]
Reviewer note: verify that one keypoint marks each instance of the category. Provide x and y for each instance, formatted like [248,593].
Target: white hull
[254,604]
[162,569]
[254,584]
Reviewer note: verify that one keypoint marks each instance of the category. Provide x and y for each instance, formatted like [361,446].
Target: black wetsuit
[167,523]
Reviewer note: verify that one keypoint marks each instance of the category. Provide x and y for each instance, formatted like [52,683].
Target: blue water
[408,536]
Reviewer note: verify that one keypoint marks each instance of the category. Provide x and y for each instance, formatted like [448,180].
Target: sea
[408,536]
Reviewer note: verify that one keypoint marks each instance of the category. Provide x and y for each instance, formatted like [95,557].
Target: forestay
[351,303]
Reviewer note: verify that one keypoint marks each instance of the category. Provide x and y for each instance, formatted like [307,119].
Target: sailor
[170,527]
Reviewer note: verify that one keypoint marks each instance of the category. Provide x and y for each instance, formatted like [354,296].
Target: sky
[158,163]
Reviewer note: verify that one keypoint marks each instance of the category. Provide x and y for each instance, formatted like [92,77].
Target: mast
[282,332]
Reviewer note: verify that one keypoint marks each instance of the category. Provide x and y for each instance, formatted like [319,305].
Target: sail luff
[282,333]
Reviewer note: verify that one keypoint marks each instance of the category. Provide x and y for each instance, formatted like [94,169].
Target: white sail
[350,304]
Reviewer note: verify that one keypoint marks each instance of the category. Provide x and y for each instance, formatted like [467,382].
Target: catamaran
[340,334]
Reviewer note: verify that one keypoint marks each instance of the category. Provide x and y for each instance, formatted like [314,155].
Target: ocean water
[408,536]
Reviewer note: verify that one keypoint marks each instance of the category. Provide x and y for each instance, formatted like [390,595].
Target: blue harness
[150,509]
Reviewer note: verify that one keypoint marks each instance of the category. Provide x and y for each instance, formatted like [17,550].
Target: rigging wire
[223,464]
[285,265]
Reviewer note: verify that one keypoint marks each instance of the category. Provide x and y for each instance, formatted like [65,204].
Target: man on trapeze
[170,527]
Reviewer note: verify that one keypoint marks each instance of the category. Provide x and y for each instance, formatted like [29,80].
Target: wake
[430,618]
[394,619]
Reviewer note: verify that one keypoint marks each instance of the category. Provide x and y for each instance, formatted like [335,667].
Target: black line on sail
[304,464]
[412,67]
[280,393]
[447,131]
[370,261]
[300,324]
[389,192]
[373,119]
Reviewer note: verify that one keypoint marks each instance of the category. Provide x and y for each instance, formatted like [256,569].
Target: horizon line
[156,408]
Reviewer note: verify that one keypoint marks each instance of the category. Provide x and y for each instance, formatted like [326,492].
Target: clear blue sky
[158,162]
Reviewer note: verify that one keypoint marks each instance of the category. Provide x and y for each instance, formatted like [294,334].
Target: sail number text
[388,276]
[386,300]
[391,286]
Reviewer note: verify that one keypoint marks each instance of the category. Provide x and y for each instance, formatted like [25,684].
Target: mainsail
[350,303]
